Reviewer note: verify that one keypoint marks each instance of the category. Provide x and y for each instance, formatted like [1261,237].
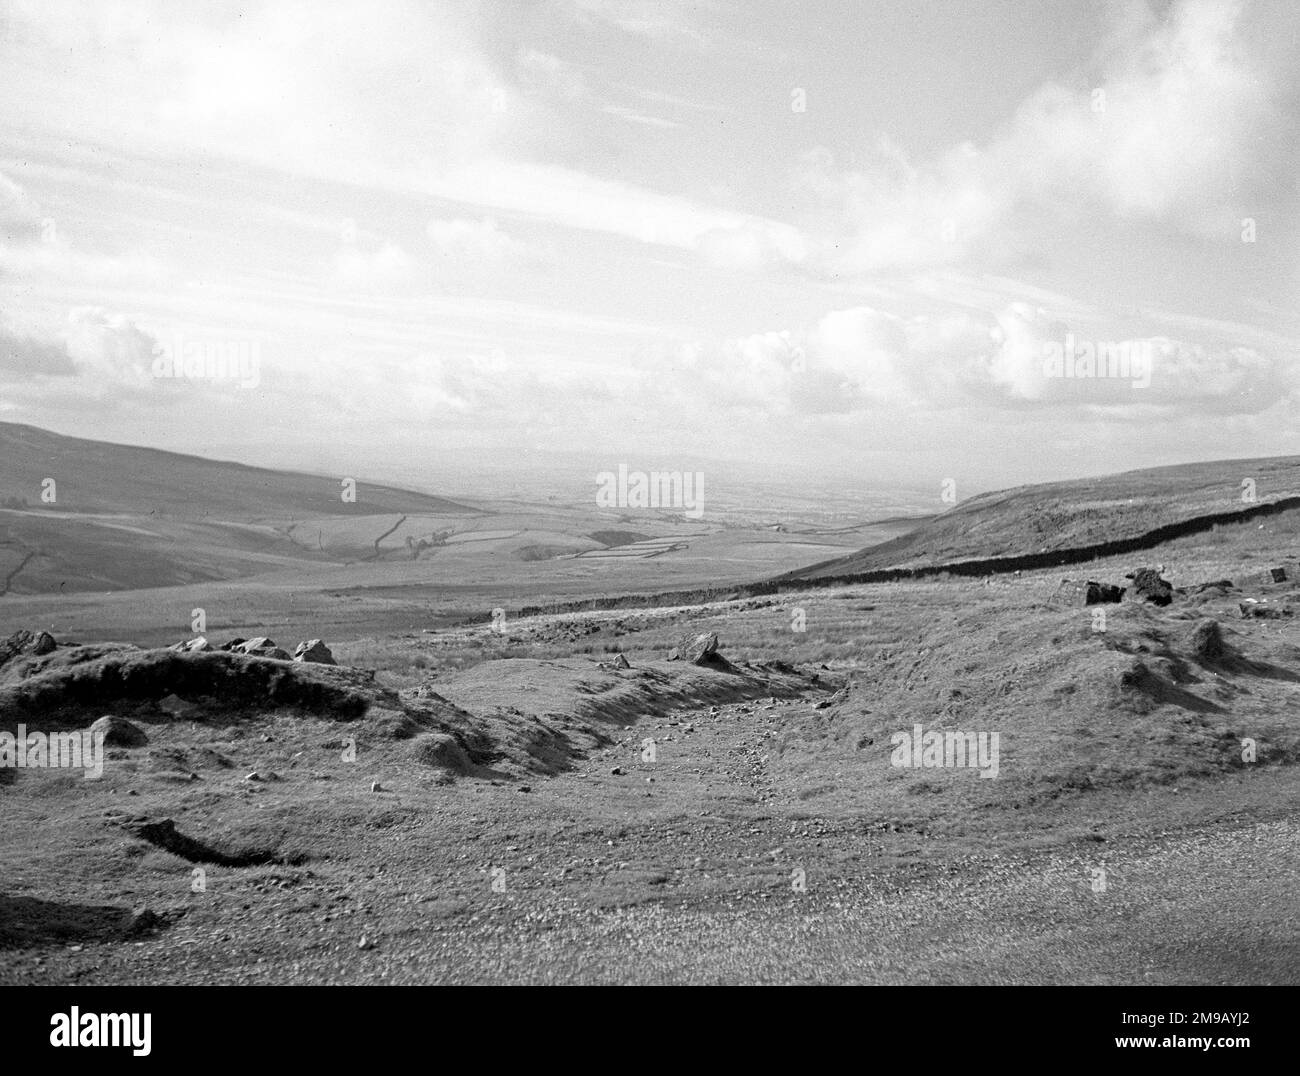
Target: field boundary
[798,581]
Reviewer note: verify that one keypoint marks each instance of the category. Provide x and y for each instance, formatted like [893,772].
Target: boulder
[314,651]
[697,648]
[140,922]
[197,645]
[1267,577]
[262,647]
[1207,641]
[1260,611]
[1149,586]
[118,732]
[23,643]
[1102,593]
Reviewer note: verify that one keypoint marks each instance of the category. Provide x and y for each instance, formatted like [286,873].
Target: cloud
[109,349]
[33,246]
[752,245]
[1175,125]
[1019,358]
[29,356]
[20,217]
[662,21]
[366,269]
[478,241]
[98,359]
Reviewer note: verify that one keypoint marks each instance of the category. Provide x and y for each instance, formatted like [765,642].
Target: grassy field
[667,823]
[478,795]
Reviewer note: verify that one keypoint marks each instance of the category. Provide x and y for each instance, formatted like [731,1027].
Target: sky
[834,241]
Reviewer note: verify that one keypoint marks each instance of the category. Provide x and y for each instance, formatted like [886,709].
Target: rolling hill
[1076,515]
[123,517]
[99,477]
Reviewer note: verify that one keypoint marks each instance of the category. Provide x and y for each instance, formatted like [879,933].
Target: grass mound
[217,680]
[1154,698]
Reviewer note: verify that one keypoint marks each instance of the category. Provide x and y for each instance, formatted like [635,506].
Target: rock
[25,643]
[141,921]
[1102,593]
[621,662]
[1207,641]
[196,645]
[1149,586]
[234,644]
[1218,584]
[176,706]
[118,732]
[254,776]
[375,786]
[617,771]
[673,655]
[1260,611]
[698,648]
[314,651]
[262,647]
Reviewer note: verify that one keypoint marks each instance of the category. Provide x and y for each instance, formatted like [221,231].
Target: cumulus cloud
[109,348]
[1020,357]
[1159,130]
[98,358]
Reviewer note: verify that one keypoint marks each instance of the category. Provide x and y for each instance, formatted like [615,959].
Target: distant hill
[125,517]
[96,476]
[1069,515]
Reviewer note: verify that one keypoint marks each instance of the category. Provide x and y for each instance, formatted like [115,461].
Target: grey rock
[698,648]
[314,651]
[118,732]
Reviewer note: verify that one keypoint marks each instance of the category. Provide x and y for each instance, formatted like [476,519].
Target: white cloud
[1165,131]
[365,269]
[862,359]
[477,241]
